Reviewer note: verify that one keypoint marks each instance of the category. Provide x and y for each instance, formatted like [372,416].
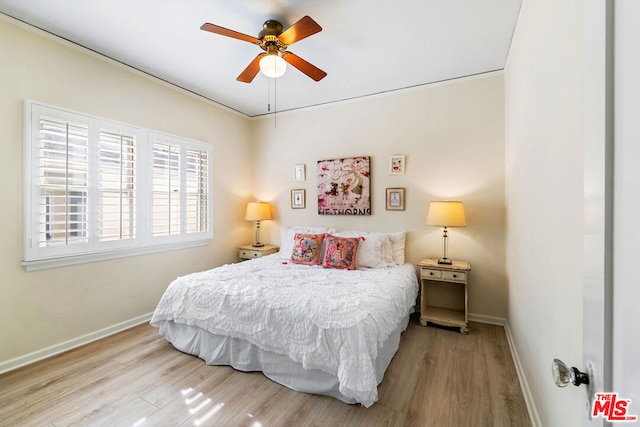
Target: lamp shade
[257,211]
[273,66]
[446,214]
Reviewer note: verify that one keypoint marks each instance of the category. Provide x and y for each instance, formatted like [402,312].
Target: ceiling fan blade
[229,33]
[309,69]
[304,28]
[251,71]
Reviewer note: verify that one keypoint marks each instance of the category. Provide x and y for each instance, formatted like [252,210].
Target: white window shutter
[92,184]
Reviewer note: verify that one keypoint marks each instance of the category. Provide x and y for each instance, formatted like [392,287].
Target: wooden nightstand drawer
[455,276]
[426,273]
[250,252]
[247,254]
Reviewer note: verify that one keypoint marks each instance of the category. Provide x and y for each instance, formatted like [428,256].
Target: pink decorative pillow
[306,248]
[340,252]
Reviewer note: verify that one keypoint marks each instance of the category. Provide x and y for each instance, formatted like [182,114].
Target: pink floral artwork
[344,186]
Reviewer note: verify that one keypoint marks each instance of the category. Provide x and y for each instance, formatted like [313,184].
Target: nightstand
[249,252]
[443,293]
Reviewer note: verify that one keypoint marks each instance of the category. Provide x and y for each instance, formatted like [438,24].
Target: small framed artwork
[298,199]
[298,173]
[396,165]
[395,199]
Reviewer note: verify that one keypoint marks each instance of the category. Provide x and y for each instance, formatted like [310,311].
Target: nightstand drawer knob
[436,274]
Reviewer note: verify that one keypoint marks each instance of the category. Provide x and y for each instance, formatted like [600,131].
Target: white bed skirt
[244,356]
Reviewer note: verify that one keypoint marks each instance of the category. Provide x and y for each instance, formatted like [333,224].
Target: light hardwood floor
[439,377]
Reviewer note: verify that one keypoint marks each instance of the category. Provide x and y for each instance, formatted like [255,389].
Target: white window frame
[38,258]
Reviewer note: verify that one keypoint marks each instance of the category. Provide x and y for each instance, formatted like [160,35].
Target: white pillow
[375,251]
[287,235]
[398,241]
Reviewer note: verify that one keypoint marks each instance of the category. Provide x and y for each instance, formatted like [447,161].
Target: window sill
[44,264]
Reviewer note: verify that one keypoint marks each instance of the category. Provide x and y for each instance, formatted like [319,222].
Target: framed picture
[298,173]
[395,199]
[298,199]
[344,186]
[396,165]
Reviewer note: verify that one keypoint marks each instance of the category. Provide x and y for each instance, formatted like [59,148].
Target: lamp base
[446,261]
[258,245]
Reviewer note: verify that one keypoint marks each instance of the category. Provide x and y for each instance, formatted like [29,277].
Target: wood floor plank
[240,394]
[508,405]
[41,404]
[100,393]
[183,373]
[470,380]
[431,400]
[267,401]
[120,411]
[28,379]
[92,401]
[402,374]
[438,377]
[377,415]
[287,408]
[188,397]
[308,414]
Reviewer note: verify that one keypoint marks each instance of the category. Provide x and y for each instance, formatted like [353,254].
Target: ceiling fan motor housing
[270,28]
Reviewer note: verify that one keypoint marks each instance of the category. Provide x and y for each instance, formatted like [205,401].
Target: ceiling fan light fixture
[273,41]
[273,66]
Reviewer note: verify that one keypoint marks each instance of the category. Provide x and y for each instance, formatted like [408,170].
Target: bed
[307,326]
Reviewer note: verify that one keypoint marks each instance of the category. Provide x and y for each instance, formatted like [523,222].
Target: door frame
[597,298]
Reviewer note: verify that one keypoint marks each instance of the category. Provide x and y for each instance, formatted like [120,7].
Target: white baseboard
[524,384]
[44,353]
[490,320]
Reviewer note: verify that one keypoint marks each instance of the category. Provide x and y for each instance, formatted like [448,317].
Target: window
[97,189]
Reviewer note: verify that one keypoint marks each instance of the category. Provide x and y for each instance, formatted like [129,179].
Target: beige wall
[45,308]
[452,136]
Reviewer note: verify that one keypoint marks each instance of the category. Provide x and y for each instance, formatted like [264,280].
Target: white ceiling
[366,46]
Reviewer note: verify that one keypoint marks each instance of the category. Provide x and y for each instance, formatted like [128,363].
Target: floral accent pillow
[340,252]
[287,235]
[306,248]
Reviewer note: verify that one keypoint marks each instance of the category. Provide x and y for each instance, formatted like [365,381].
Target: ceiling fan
[274,42]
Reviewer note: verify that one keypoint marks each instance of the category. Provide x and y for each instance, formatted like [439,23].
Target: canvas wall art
[344,186]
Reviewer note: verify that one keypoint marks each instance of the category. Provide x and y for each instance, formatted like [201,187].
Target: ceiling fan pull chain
[268,96]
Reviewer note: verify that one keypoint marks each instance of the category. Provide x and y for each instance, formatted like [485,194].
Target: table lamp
[446,214]
[258,211]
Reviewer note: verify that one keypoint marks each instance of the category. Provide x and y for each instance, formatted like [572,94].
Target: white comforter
[327,319]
